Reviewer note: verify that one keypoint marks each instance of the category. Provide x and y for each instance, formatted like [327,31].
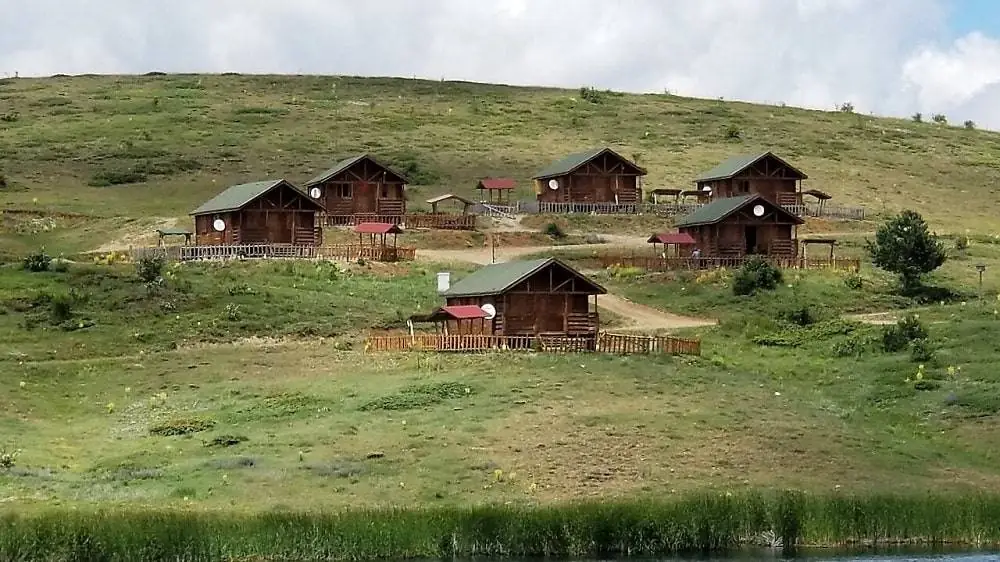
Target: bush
[106,178]
[61,308]
[733,133]
[970,124]
[37,262]
[847,107]
[150,268]
[10,117]
[181,426]
[553,230]
[756,275]
[961,243]
[3,181]
[940,118]
[896,337]
[918,117]
[800,315]
[921,351]
[854,282]
[8,459]
[904,246]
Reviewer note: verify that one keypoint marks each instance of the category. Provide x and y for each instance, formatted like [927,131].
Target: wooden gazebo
[376,246]
[821,196]
[496,191]
[830,243]
[671,239]
[174,231]
[458,320]
[435,201]
[667,192]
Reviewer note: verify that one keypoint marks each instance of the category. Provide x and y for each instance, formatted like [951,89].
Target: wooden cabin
[521,298]
[763,174]
[263,212]
[743,225]
[360,185]
[594,176]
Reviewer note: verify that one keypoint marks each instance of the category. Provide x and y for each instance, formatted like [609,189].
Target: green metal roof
[736,164]
[497,278]
[173,231]
[347,163]
[238,196]
[569,163]
[722,208]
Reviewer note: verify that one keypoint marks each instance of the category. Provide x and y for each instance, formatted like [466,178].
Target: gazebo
[377,247]
[829,242]
[466,319]
[821,196]
[174,231]
[665,191]
[466,203]
[496,191]
[668,239]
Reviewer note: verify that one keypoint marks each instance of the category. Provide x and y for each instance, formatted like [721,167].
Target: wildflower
[111,407]
[128,389]
[952,371]
[23,384]
[498,475]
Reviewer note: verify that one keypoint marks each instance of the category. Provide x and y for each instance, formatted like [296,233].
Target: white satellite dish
[315,193]
[219,225]
[553,184]
[706,188]
[489,310]
[758,210]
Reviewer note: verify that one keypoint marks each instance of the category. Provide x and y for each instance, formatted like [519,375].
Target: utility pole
[493,248]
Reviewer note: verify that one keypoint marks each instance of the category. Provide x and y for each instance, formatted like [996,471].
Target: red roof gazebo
[377,231]
[499,186]
[675,239]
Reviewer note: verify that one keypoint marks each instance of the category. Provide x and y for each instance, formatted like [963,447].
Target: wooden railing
[343,252]
[817,210]
[657,263]
[443,221]
[603,343]
[673,209]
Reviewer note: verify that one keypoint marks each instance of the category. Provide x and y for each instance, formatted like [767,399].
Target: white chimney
[444,281]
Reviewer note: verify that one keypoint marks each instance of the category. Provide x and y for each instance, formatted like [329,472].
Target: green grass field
[133,152]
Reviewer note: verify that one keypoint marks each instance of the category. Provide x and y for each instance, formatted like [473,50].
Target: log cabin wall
[597,181]
[364,187]
[768,177]
[280,216]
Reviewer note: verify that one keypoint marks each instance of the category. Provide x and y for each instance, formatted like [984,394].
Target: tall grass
[701,522]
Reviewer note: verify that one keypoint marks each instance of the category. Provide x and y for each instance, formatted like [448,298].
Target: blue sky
[975,15]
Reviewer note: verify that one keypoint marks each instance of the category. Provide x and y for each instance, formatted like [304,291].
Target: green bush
[106,178]
[961,242]
[8,459]
[756,275]
[37,262]
[921,351]
[150,268]
[854,282]
[181,426]
[800,315]
[896,337]
[553,230]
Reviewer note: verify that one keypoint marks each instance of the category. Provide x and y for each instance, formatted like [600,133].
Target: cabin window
[384,191]
[744,186]
[344,191]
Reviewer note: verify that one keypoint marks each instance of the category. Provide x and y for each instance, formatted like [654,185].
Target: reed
[706,522]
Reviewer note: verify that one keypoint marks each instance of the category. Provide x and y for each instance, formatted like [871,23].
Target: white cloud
[888,57]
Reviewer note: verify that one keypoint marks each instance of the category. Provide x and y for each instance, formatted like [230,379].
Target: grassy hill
[128,152]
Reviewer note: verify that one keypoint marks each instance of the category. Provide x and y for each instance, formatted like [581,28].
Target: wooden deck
[342,252]
[622,344]
[816,210]
[657,263]
[440,221]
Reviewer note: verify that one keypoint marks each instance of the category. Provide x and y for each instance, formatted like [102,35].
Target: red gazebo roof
[464,312]
[377,228]
[497,183]
[681,238]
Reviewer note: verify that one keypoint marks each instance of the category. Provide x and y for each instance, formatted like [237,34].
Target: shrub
[105,178]
[854,282]
[591,95]
[226,441]
[918,117]
[940,118]
[904,246]
[61,308]
[961,243]
[733,133]
[800,315]
[10,117]
[896,337]
[970,124]
[39,261]
[233,312]
[847,107]
[756,275]
[921,351]
[3,181]
[150,268]
[553,230]
[181,426]
[8,459]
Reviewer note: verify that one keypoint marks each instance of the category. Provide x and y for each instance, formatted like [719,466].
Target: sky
[889,57]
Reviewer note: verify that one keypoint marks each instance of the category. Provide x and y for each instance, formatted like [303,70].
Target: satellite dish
[758,210]
[219,225]
[315,193]
[706,188]
[553,184]
[489,310]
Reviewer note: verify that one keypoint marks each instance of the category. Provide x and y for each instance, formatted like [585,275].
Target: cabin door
[750,236]
[364,197]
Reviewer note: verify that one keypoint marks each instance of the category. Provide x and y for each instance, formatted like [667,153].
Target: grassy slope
[558,427]
[193,135]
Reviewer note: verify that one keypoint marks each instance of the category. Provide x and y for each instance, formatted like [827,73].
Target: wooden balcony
[440,221]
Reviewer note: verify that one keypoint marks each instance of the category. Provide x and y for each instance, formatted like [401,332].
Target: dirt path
[883,318]
[640,317]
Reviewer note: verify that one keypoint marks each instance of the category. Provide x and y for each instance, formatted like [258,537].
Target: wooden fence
[624,344]
[657,263]
[342,252]
[667,209]
[441,221]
